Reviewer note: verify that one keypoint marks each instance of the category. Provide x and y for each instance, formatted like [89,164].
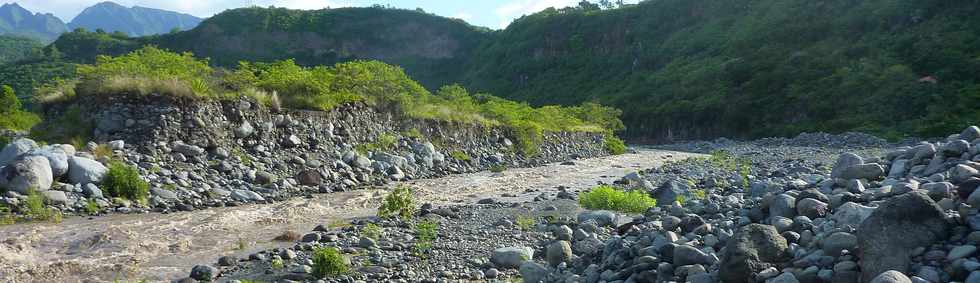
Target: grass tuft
[610,198]
[327,262]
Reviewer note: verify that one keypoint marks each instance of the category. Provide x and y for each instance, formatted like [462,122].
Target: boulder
[755,247]
[845,161]
[55,197]
[687,255]
[187,149]
[897,226]
[667,193]
[28,172]
[245,130]
[955,148]
[82,170]
[15,149]
[838,242]
[57,158]
[851,214]
[558,252]
[811,208]
[533,272]
[869,171]
[970,133]
[961,173]
[891,276]
[601,217]
[204,273]
[782,205]
[511,257]
[899,168]
[309,178]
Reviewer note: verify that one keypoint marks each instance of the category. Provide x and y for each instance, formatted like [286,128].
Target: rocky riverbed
[160,247]
[775,210]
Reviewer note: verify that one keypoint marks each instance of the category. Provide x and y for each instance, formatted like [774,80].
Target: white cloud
[507,12]
[463,16]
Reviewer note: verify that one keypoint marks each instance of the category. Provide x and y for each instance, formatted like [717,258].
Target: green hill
[680,69]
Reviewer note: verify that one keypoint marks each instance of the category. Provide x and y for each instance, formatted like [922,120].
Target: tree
[606,4]
[8,100]
[588,6]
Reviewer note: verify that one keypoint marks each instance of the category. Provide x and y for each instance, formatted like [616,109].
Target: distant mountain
[135,21]
[15,20]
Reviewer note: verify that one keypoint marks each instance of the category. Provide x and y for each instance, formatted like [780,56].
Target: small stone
[961,252]
[204,273]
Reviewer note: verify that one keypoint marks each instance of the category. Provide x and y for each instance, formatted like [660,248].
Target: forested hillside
[680,69]
[698,69]
[135,21]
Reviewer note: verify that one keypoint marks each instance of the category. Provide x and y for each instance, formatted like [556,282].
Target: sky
[488,13]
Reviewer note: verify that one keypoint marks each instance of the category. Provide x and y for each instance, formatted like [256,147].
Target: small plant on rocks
[277,263]
[371,230]
[608,197]
[327,261]
[6,218]
[37,211]
[124,181]
[460,155]
[425,234]
[399,203]
[525,222]
[92,207]
[497,168]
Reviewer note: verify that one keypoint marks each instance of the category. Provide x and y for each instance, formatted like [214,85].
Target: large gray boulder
[970,133]
[962,172]
[845,161]
[15,149]
[57,158]
[869,171]
[511,257]
[601,217]
[667,193]
[783,205]
[82,170]
[187,149]
[891,276]
[29,172]
[896,227]
[533,272]
[851,214]
[754,248]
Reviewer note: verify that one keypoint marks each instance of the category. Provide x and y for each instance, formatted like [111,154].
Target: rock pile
[212,154]
[909,215]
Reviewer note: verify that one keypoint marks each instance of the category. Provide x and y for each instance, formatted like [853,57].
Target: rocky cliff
[196,154]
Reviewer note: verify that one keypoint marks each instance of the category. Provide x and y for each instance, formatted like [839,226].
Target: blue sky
[488,13]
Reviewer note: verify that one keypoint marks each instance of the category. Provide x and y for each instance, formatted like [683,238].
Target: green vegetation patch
[14,116]
[399,203]
[611,198]
[327,262]
[124,181]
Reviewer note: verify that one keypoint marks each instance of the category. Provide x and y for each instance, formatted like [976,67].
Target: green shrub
[426,232]
[124,181]
[525,222]
[92,207]
[371,230]
[413,133]
[608,197]
[327,261]
[614,145]
[399,203]
[9,102]
[497,168]
[277,264]
[460,155]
